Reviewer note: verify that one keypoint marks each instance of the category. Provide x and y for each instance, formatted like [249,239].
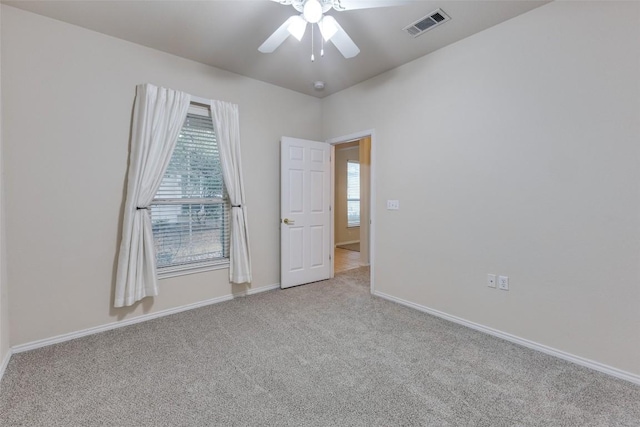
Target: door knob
[288,221]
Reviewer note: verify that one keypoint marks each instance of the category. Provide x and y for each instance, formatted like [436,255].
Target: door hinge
[329,257]
[329,208]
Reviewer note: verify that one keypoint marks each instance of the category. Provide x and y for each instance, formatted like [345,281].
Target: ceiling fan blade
[367,4]
[341,39]
[277,38]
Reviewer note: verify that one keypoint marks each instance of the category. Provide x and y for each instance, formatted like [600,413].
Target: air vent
[427,23]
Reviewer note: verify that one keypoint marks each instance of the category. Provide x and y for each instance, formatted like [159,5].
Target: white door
[305,241]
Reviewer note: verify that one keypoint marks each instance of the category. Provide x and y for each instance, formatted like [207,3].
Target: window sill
[353,226]
[183,270]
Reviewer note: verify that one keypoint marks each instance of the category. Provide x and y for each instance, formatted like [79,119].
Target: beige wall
[68,95]
[344,153]
[515,152]
[4,294]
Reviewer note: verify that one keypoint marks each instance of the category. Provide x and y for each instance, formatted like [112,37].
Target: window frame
[197,266]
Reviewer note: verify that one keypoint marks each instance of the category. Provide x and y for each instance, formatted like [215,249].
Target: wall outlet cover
[503,282]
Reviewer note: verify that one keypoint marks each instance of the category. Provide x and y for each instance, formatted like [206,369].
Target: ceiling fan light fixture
[312,11]
[297,27]
[328,27]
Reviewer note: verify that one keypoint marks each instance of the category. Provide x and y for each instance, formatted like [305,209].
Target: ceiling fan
[313,12]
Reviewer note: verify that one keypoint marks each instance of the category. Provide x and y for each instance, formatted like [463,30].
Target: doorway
[307,188]
[351,199]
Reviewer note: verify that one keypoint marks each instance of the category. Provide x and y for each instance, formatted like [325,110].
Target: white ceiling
[226,34]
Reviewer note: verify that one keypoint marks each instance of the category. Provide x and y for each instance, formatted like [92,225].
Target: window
[353,194]
[190,212]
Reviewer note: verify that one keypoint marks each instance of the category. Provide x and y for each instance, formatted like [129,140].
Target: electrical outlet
[491,280]
[503,282]
[393,205]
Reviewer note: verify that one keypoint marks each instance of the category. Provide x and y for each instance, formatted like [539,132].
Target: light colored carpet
[324,354]
[350,247]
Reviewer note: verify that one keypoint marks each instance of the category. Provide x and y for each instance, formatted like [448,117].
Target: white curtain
[227,125]
[158,117]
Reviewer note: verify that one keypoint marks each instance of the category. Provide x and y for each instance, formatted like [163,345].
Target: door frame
[372,196]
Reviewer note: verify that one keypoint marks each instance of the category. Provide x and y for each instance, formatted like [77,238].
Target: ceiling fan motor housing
[299,4]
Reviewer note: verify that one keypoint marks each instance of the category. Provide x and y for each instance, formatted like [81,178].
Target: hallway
[345,260]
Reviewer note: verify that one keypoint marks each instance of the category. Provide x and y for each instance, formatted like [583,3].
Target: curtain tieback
[139,208]
[236,206]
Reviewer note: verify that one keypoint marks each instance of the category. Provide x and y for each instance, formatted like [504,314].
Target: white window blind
[190,213]
[353,194]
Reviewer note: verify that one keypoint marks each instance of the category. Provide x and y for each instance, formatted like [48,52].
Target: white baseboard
[142,318]
[256,290]
[350,242]
[597,366]
[5,362]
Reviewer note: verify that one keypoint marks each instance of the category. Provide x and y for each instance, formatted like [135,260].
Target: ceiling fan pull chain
[312,56]
[321,43]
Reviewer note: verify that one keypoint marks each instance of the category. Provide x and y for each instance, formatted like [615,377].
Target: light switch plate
[393,205]
[503,282]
